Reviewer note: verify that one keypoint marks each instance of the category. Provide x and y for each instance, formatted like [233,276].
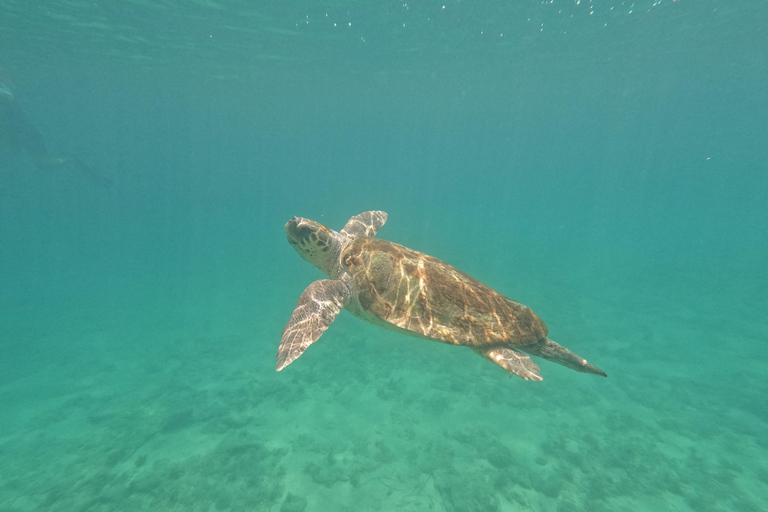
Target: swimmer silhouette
[19,135]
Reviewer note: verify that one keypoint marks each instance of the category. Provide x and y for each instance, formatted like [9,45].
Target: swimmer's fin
[89,172]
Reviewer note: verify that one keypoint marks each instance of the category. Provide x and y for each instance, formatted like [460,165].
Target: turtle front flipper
[315,310]
[365,224]
[516,363]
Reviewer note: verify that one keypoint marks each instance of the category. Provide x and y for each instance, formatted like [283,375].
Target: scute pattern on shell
[430,298]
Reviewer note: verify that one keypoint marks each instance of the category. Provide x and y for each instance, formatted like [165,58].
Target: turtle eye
[302,231]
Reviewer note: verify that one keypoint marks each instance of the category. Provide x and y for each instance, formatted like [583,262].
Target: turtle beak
[298,230]
[290,230]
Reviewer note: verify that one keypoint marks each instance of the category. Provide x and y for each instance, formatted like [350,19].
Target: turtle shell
[421,294]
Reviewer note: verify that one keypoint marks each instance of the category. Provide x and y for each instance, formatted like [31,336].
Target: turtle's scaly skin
[421,294]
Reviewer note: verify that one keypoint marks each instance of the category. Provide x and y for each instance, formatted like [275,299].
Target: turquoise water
[602,162]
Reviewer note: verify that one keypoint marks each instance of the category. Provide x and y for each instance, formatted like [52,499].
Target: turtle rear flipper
[315,310]
[516,363]
[550,350]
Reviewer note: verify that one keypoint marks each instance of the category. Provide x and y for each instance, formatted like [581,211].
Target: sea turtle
[400,289]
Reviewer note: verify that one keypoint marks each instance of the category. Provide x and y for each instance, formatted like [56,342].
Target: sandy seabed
[170,411]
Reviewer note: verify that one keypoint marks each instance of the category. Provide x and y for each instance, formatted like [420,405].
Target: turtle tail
[550,350]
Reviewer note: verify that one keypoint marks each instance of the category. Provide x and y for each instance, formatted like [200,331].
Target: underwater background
[602,162]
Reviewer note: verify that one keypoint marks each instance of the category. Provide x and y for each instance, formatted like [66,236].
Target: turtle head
[316,243]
